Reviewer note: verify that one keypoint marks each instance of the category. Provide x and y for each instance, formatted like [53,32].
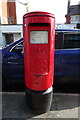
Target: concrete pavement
[63,106]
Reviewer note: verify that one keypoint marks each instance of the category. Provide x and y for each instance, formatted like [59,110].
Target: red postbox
[39,37]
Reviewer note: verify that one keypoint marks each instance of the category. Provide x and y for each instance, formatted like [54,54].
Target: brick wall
[67,19]
[11,13]
[8,12]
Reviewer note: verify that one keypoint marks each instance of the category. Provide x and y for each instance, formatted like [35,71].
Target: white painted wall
[11,28]
[17,30]
[17,36]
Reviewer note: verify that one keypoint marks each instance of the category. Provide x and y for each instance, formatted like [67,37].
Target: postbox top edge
[38,13]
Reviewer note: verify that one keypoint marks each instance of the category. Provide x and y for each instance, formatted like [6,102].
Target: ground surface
[65,104]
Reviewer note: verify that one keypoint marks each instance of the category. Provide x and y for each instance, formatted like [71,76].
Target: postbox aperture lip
[38,13]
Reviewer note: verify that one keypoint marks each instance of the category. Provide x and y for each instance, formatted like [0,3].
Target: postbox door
[39,51]
[39,57]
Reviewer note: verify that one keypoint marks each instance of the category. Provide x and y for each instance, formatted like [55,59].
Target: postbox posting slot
[39,24]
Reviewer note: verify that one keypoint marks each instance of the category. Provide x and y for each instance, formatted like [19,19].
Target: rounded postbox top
[38,13]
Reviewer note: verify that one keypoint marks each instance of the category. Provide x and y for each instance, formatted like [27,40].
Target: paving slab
[63,106]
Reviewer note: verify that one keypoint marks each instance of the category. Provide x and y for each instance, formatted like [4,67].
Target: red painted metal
[39,58]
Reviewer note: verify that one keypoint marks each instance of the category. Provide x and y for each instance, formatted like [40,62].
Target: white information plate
[39,37]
